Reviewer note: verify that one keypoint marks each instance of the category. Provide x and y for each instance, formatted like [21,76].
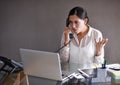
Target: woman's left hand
[99,45]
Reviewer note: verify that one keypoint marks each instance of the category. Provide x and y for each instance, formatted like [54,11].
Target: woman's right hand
[67,31]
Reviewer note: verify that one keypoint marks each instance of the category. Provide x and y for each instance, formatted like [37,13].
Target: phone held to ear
[70,35]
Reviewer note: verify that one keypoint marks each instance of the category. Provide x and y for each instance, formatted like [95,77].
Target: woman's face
[76,24]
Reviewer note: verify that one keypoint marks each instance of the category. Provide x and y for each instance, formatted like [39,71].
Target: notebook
[42,64]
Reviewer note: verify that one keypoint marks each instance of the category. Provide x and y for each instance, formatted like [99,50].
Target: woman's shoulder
[95,31]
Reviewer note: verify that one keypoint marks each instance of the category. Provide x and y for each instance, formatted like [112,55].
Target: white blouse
[82,55]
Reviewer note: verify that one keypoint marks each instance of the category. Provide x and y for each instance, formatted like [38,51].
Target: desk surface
[89,71]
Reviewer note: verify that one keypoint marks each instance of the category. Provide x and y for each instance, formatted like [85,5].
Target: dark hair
[79,11]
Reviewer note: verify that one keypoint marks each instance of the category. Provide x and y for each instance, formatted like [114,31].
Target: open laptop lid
[41,64]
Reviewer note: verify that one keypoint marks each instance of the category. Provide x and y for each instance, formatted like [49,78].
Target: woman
[87,46]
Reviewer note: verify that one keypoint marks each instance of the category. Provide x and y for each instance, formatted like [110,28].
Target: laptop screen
[41,64]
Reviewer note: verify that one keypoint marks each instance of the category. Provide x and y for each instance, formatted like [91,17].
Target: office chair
[9,66]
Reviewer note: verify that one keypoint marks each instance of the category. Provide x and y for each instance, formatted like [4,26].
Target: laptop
[42,64]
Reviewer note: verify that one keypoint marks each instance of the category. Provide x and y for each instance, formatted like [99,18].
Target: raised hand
[100,44]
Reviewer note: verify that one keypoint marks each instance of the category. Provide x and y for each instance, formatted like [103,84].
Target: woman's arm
[100,42]
[64,52]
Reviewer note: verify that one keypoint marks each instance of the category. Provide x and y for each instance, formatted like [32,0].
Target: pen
[104,64]
[95,65]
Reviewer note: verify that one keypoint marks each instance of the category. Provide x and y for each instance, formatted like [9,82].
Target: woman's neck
[84,32]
